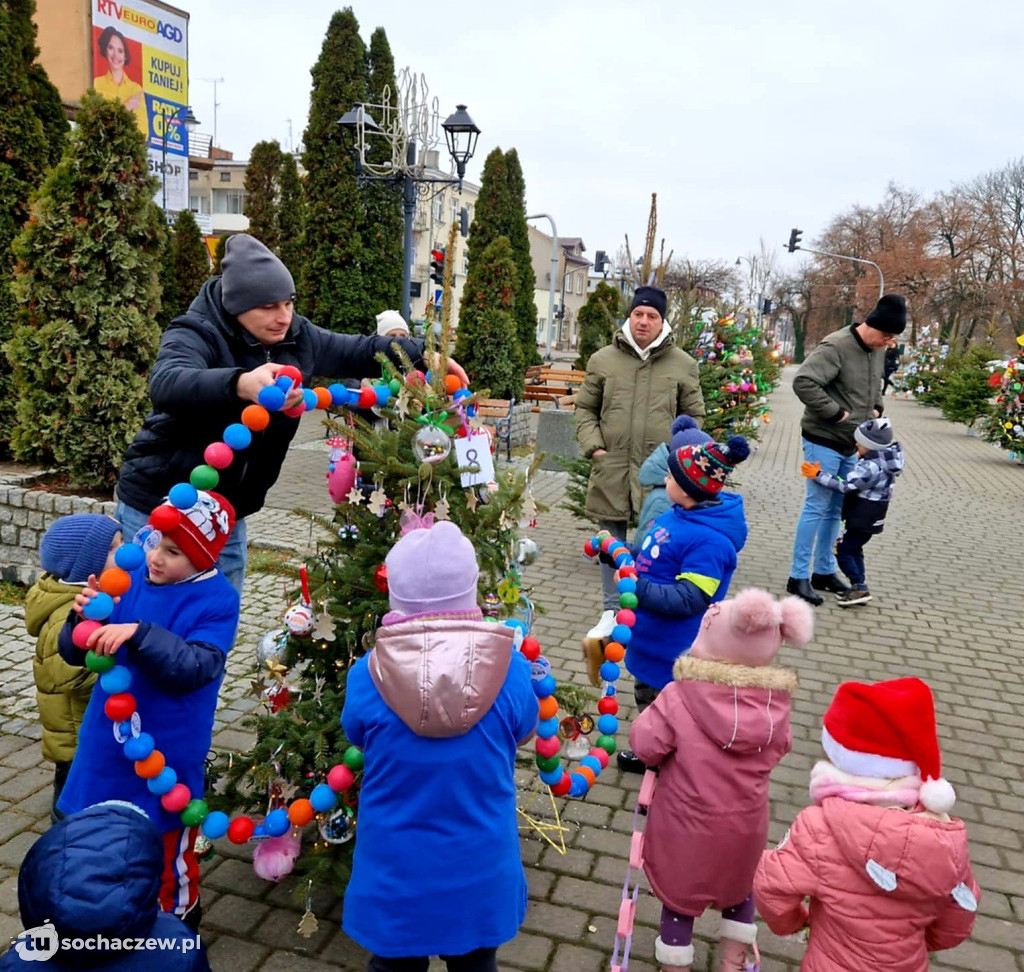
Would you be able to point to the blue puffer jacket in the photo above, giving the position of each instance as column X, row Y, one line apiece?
column 98, row 873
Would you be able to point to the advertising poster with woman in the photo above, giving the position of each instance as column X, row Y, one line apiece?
column 140, row 58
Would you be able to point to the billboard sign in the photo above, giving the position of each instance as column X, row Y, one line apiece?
column 140, row 58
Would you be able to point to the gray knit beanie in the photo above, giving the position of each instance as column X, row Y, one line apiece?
column 252, row 276
column 874, row 434
column 76, row 546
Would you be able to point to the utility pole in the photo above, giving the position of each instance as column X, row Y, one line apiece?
column 216, row 105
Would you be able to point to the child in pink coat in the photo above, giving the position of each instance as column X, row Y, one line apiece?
column 885, row 866
column 716, row 732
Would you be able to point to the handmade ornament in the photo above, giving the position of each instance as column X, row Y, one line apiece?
column 339, row 827
column 355, row 496
column 471, row 500
column 298, row 619
column 341, row 478
column 324, row 629
column 274, row 858
column 378, row 501
column 441, row 509
column 431, row 444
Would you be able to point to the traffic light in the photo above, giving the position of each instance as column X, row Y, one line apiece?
column 464, row 222
column 766, row 307
column 437, row 265
column 794, row 239
column 601, row 261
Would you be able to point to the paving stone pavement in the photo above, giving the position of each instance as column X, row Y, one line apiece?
column 948, row 598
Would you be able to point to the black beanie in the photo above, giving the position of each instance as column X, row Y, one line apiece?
column 650, row 297
column 889, row 315
column 252, row 276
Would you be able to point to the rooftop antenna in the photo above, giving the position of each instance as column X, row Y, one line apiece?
column 289, row 133
column 216, row 104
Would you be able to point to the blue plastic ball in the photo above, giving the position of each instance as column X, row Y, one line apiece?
column 277, row 823
column 610, row 671
column 139, row 747
column 237, row 436
column 116, row 681
column 627, row 585
column 183, row 496
column 271, row 398
column 580, row 785
column 593, row 763
column 608, row 725
column 545, row 686
column 338, row 393
column 516, row 623
column 461, row 394
column 163, row 782
column 551, row 777
column 323, row 798
column 383, row 394
column 284, row 383
column 215, row 825
column 129, row 556
column 309, row 399
column 547, row 728
column 99, row 607
column 429, row 378
column 259, row 831
column 621, row 634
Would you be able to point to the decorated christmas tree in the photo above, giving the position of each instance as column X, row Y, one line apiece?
column 1006, row 425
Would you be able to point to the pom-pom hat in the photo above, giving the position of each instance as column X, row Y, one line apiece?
column 749, row 628
column 432, row 571
column 886, row 730
column 686, row 433
column 200, row 531
column 702, row 470
column 874, row 434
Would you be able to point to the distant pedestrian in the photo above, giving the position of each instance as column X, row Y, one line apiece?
column 840, row 385
column 892, row 364
column 867, row 492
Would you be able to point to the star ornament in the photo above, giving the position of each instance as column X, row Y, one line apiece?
column 355, row 496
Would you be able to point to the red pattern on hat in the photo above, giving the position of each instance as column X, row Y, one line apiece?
column 202, row 531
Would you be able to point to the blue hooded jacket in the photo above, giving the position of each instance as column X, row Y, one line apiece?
column 98, row 872
column 684, row 563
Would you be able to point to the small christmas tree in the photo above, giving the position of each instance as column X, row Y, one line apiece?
column 1006, row 424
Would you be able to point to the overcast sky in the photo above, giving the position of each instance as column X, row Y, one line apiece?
column 747, row 118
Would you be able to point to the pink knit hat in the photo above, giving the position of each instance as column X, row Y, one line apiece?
column 749, row 628
column 432, row 571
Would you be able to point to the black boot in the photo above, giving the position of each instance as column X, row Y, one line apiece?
column 801, row 587
column 628, row 763
column 829, row 582
column 60, row 776
column 193, row 917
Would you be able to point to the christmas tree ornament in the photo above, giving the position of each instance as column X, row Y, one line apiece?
column 324, row 630
column 271, row 646
column 380, row 578
column 355, row 496
column 491, row 605
column 338, row 826
column 431, row 444
column 378, row 501
column 471, row 500
column 299, row 620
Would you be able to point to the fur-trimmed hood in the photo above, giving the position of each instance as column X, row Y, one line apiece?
column 736, row 706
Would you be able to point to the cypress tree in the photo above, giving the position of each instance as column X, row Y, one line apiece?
column 291, row 218
column 519, row 237
column 189, row 265
column 383, row 229
column 334, row 291
column 218, row 254
column 598, row 317
column 32, row 133
column 262, row 193
column 86, row 285
column 486, row 345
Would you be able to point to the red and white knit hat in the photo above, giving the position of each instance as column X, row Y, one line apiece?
column 886, row 731
column 201, row 531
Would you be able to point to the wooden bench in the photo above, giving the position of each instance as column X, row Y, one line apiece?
column 499, row 411
column 557, row 385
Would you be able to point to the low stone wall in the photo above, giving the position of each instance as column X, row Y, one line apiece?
column 25, row 514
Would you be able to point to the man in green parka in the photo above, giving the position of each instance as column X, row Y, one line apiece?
column 634, row 389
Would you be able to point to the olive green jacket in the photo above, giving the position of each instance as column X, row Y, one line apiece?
column 842, row 374
column 626, row 405
column 62, row 691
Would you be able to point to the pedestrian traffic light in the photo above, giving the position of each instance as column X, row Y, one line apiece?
column 794, row 239
column 464, row 222
column 437, row 265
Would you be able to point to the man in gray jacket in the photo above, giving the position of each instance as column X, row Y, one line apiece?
column 840, row 385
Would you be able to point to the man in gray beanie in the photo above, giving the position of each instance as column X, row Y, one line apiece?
column 235, row 338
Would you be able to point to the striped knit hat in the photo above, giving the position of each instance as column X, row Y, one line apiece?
column 702, row 470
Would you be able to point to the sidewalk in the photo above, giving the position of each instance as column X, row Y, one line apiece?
column 948, row 599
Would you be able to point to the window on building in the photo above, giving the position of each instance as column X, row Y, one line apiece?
column 465, row 263
column 438, row 206
column 199, row 204
column 193, row 175
column 229, row 201
column 455, row 208
column 225, row 177
column 579, row 284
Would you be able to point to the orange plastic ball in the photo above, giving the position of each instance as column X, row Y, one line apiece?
column 614, row 652
column 151, row 766
column 255, row 418
column 115, row 581
column 587, row 773
column 301, row 812
column 548, row 707
column 323, row 397
column 452, row 384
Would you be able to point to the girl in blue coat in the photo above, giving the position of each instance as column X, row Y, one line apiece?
column 438, row 707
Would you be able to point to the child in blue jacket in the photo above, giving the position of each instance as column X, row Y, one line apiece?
column 172, row 630
column 684, row 563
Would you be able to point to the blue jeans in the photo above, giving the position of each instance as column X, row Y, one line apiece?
column 818, row 527
column 850, row 556
column 231, row 562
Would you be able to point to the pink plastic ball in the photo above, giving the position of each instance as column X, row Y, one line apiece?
column 340, row 778
column 218, row 455
column 176, row 799
column 626, row 617
column 83, row 631
column 600, row 755
column 548, row 747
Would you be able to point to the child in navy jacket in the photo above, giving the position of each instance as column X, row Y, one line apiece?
column 172, row 630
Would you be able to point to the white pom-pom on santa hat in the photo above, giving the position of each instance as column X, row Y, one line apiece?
column 937, row 795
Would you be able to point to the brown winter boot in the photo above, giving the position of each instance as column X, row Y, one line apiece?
column 736, row 950
column 593, row 654
column 673, row 958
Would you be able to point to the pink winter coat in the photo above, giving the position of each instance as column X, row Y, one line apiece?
column 716, row 732
column 886, row 885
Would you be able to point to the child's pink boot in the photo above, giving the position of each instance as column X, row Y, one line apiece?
column 736, row 949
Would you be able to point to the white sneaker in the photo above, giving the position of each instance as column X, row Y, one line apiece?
column 603, row 628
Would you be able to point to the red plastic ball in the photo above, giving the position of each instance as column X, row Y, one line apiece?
column 290, row 371
column 608, row 705
column 367, row 397
column 255, row 418
column 240, row 830
column 628, row 571
column 296, row 410
column 218, row 455
column 563, row 786
column 176, row 799
column 83, row 631
column 340, row 778
column 120, row 707
column 165, row 518
column 115, row 581
column 530, row 648
column 589, row 549
column 323, row 397
column 626, row 617
column 600, row 755
column 548, row 747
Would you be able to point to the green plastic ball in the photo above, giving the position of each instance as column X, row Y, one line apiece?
column 204, row 477
column 353, row 758
column 607, row 743
column 548, row 764
column 395, row 385
column 99, row 663
column 628, row 600
column 195, row 813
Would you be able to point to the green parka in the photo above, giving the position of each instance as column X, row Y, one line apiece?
column 62, row 691
column 626, row 405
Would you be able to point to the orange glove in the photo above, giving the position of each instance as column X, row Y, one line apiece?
column 810, row 469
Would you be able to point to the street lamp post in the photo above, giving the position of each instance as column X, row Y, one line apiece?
column 191, row 123
column 461, row 134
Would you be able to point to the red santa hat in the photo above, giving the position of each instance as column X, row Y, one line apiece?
column 885, row 731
